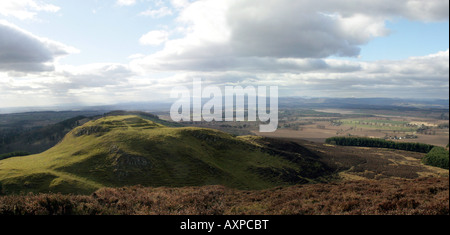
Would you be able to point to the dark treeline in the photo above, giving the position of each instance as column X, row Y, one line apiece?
column 17, row 139
column 379, row 143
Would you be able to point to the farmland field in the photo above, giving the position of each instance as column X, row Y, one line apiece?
column 413, row 127
column 380, row 124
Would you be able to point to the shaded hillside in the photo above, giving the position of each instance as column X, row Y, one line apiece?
column 116, row 151
column 425, row 196
column 38, row 139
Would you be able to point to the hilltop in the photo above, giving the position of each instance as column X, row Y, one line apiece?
column 37, row 132
column 116, row 151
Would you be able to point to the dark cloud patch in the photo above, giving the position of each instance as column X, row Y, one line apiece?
column 287, row 31
column 23, row 52
column 93, row 75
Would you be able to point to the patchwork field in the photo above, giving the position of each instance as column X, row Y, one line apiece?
column 335, row 122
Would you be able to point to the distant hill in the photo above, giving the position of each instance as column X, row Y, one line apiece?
column 365, row 103
column 115, row 151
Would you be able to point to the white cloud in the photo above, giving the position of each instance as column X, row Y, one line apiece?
column 161, row 12
column 179, row 4
column 25, row 9
column 126, row 2
column 264, row 42
column 223, row 34
column 136, row 56
column 415, row 77
column 23, row 51
column 429, row 10
column 423, row 67
column 100, row 83
column 154, row 38
column 288, row 43
column 93, row 75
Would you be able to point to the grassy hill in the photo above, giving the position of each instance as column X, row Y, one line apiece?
column 116, row 151
column 36, row 132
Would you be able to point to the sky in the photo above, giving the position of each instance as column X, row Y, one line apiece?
column 93, row 52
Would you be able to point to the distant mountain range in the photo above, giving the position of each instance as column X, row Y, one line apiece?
column 363, row 103
column 297, row 102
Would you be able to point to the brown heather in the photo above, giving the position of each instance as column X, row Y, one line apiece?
column 423, row 196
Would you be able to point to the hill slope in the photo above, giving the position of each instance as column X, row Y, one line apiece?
column 426, row 196
column 39, row 131
column 129, row 150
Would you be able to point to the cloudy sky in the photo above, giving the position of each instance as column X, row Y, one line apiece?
column 109, row 51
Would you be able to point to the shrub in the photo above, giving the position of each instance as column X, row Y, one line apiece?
column 438, row 157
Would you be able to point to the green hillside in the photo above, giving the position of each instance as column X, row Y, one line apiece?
column 127, row 150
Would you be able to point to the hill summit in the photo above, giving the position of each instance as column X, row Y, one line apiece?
column 126, row 150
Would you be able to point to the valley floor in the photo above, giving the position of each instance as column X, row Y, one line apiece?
column 423, row 196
